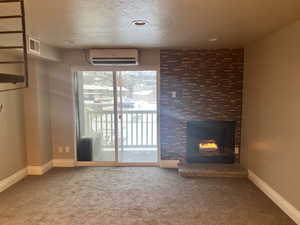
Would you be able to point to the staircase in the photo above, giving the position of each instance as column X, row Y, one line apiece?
column 14, row 78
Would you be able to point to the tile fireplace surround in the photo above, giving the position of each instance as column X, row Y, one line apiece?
column 208, row 85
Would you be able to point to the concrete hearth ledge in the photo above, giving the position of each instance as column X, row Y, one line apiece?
column 211, row 170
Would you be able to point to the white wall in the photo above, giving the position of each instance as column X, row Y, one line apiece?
column 62, row 96
column 37, row 115
column 12, row 136
column 271, row 125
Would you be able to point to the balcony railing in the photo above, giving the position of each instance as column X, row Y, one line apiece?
column 137, row 129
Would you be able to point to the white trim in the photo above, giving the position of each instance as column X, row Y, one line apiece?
column 287, row 207
column 169, row 164
column 63, row 163
column 11, row 180
column 114, row 69
column 114, row 164
column 34, row 170
column 158, row 113
column 40, row 170
column 75, row 69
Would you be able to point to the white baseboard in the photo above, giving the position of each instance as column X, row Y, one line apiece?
column 63, row 163
column 168, row 163
column 113, row 164
column 40, row 170
column 11, row 180
column 287, row 207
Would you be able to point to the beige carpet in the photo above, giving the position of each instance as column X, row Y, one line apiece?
column 135, row 196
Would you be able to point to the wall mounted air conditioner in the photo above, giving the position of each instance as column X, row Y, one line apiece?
column 113, row 57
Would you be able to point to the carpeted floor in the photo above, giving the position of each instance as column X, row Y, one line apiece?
column 135, row 196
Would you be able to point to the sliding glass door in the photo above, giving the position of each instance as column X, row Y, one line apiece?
column 137, row 116
column 96, row 116
column 117, row 113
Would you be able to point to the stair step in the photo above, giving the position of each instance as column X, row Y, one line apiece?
column 11, row 78
column 11, row 62
column 11, row 47
column 8, row 1
column 11, row 32
column 11, row 17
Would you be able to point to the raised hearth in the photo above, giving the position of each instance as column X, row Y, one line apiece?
column 212, row 170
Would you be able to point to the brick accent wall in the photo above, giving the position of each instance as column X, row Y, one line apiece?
column 209, row 85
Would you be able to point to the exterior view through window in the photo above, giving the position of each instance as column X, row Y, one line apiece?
column 117, row 114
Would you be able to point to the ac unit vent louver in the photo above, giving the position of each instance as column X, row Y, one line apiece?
column 111, row 57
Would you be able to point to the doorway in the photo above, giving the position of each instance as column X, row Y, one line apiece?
column 117, row 116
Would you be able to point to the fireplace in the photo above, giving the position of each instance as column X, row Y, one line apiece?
column 210, row 141
column 208, row 146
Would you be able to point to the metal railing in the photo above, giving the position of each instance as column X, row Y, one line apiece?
column 137, row 129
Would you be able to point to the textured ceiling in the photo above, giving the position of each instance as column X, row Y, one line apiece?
column 172, row 23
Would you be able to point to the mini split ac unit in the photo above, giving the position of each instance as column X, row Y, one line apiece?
column 113, row 57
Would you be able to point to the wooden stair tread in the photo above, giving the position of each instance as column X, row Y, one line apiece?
column 11, row 78
column 11, row 47
column 11, row 17
column 9, row 1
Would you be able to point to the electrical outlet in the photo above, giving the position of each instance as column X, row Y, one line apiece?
column 236, row 150
column 60, row 149
column 67, row 149
column 174, row 94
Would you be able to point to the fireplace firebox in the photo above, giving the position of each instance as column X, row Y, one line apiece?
column 210, row 141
